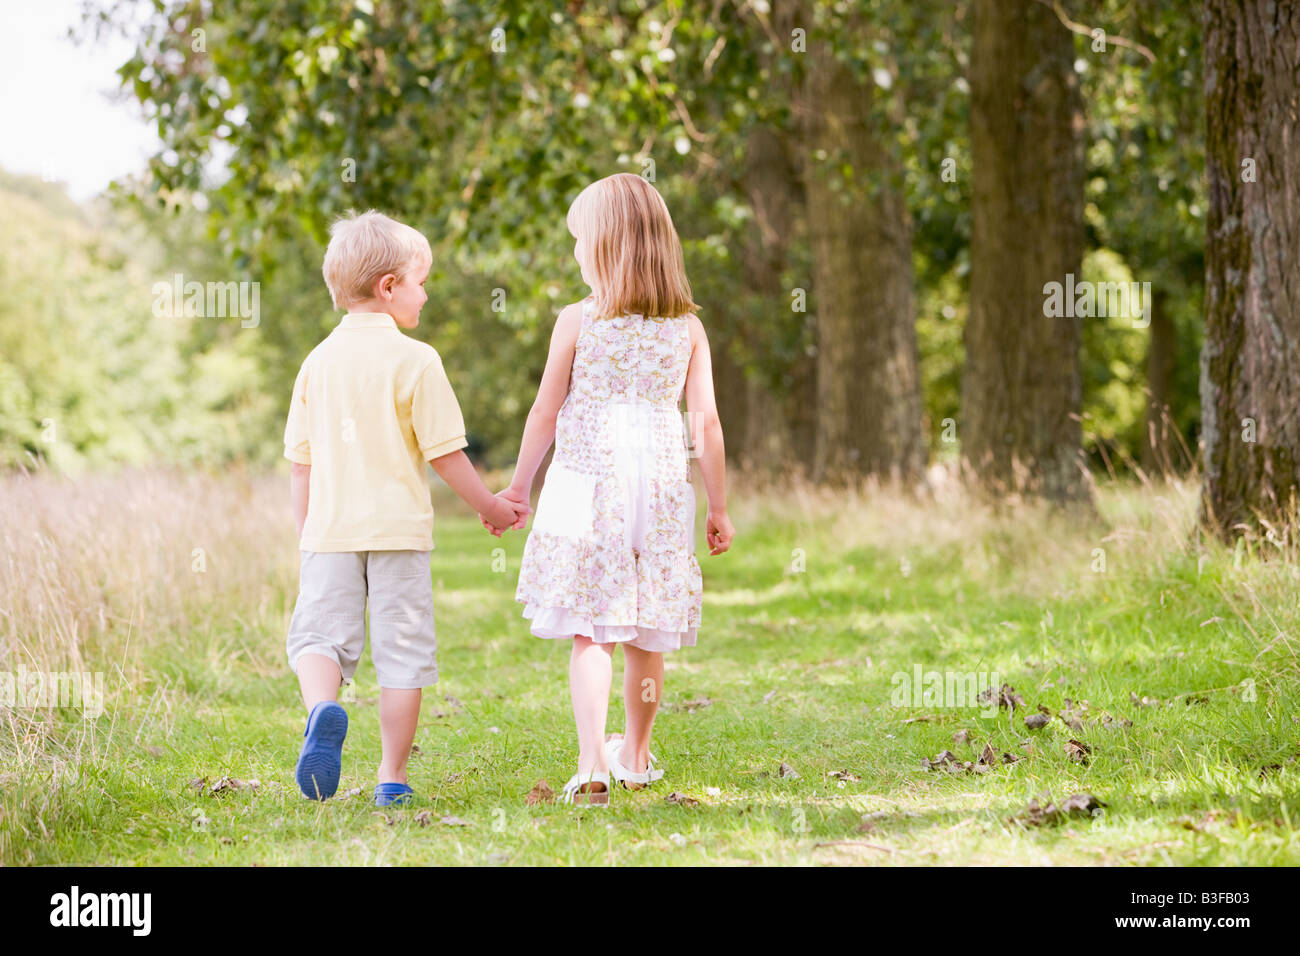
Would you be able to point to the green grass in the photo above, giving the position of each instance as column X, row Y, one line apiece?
column 798, row 666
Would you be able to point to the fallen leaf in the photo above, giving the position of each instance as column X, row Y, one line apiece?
column 1049, row 814
column 424, row 817
column 691, row 706
column 224, row 784
column 843, row 775
column 786, row 770
column 1006, row 696
column 961, row 737
column 1036, row 721
column 451, row 821
column 541, row 793
column 1081, row 803
column 681, row 799
column 1077, row 750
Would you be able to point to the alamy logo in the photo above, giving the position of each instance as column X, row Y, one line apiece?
column 102, row 909
column 954, row 689
column 1083, row 300
column 213, row 300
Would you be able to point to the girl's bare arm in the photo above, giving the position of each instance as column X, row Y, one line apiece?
column 539, row 430
column 706, row 427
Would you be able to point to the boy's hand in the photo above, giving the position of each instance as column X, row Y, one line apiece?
column 507, row 513
column 520, row 499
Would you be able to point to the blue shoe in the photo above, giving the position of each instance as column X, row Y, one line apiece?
column 321, row 760
column 392, row 793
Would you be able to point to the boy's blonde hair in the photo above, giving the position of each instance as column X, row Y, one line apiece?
column 632, row 248
column 365, row 247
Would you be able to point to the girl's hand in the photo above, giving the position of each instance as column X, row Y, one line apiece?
column 514, row 506
column 519, row 499
column 718, row 530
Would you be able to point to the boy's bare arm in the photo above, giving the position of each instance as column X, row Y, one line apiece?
column 458, row 472
column 299, row 485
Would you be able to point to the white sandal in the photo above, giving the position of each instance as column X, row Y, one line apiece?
column 573, row 791
column 613, row 748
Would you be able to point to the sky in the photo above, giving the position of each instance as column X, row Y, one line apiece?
column 56, row 118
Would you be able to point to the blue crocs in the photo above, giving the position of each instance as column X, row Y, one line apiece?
column 321, row 760
column 391, row 793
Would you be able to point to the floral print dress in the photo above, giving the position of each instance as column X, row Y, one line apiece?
column 611, row 552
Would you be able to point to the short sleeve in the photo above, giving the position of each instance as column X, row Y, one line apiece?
column 297, row 448
column 435, row 413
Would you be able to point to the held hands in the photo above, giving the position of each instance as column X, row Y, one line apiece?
column 510, row 511
column 718, row 530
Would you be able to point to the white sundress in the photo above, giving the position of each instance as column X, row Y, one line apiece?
column 611, row 552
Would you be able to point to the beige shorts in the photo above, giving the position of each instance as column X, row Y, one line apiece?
column 330, row 615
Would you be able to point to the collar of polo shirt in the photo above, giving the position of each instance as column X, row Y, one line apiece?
column 367, row 320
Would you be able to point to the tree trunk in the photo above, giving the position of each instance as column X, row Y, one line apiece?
column 778, row 417
column 1250, row 363
column 732, row 391
column 868, row 408
column 1022, row 384
column 1158, row 443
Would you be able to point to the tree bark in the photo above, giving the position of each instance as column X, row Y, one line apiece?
column 779, row 416
column 732, row 391
column 868, row 408
column 1158, row 443
column 1250, row 363
column 1022, row 384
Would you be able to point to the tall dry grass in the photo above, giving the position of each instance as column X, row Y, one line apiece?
column 95, row 567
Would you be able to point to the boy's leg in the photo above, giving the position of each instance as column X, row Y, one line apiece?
column 399, row 713
column 404, row 647
column 328, row 629
column 591, row 670
column 319, row 678
column 643, row 685
column 324, row 644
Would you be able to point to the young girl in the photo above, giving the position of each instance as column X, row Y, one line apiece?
column 611, row 556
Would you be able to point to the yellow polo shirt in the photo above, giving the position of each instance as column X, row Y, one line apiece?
column 370, row 408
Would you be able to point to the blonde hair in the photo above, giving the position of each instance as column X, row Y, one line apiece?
column 365, row 247
column 631, row 247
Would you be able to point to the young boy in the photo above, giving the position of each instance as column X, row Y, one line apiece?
column 370, row 406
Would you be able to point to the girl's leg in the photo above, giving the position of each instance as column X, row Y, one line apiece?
column 643, row 685
column 399, row 713
column 591, row 669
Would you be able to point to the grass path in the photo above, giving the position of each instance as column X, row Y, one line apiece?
column 806, row 625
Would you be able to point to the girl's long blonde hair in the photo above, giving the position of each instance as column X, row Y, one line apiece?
column 632, row 248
